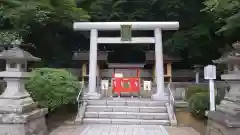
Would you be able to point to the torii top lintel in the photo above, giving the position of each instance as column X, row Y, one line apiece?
column 117, row 25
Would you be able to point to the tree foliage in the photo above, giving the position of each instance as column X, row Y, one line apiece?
column 195, row 39
column 8, row 38
column 199, row 103
column 53, row 88
column 192, row 90
column 206, row 26
column 227, row 14
column 45, row 23
column 20, row 13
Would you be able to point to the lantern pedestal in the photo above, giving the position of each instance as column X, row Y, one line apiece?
column 19, row 114
column 26, row 123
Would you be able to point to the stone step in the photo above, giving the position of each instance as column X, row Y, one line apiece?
column 228, row 109
column 232, row 98
column 127, row 115
column 126, row 121
column 129, row 102
column 142, row 109
column 181, row 104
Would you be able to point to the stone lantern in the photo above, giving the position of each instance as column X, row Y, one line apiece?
column 197, row 69
column 226, row 119
column 19, row 114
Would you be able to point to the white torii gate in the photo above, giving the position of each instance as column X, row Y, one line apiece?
column 157, row 28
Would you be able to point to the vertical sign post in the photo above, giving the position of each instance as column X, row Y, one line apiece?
column 210, row 74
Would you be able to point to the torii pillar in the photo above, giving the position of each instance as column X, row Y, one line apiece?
column 156, row 27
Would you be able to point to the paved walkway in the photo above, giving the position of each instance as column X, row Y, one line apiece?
column 122, row 130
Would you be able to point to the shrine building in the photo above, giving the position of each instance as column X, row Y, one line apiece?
column 109, row 67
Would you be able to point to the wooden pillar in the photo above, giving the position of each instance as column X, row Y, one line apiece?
column 169, row 71
column 84, row 71
column 154, row 72
column 98, row 80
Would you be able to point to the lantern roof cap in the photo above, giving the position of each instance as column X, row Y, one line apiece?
column 228, row 58
column 17, row 53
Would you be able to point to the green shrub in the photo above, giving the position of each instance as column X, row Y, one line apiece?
column 52, row 88
column 199, row 103
column 193, row 90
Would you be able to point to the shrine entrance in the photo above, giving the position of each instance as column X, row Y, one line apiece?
column 126, row 29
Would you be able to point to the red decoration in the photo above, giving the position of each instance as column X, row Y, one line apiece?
column 129, row 84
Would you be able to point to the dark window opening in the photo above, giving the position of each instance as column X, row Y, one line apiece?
column 22, row 65
column 13, row 65
column 165, row 69
column 126, row 55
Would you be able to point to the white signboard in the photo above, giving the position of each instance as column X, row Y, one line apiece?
column 210, row 72
column 147, row 85
column 104, row 84
column 118, row 75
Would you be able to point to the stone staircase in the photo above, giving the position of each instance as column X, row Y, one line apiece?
column 124, row 111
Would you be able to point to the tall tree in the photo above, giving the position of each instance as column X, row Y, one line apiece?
column 45, row 23
column 196, row 38
column 227, row 16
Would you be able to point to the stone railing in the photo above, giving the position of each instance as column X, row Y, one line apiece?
column 179, row 88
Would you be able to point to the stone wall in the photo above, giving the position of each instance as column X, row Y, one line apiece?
column 178, row 89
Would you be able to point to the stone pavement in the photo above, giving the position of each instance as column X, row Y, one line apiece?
column 124, row 130
column 181, row 130
column 121, row 130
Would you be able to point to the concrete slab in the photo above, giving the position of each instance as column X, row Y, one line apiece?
column 124, row 130
column 181, row 131
column 103, row 129
column 68, row 130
